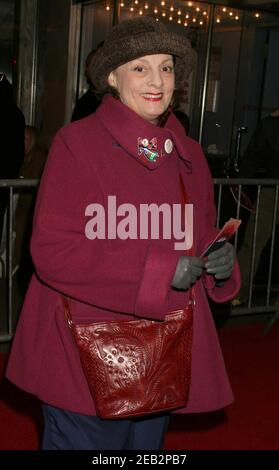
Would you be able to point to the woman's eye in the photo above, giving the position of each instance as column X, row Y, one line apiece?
column 168, row 68
column 138, row 68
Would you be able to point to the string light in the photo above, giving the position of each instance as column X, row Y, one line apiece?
column 168, row 10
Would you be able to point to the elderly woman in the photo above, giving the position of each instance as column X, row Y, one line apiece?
column 132, row 151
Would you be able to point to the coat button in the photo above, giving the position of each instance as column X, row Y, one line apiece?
column 168, row 146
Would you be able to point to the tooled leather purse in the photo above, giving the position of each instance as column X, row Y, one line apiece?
column 137, row 367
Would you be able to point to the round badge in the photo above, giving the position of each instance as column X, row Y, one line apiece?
column 168, row 146
column 145, row 142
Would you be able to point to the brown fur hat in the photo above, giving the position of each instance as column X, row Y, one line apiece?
column 136, row 38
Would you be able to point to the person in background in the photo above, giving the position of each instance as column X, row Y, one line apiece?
column 34, row 154
column 12, row 125
column 89, row 102
column 34, row 160
column 262, row 154
column 134, row 148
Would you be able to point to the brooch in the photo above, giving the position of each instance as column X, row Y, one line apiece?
column 148, row 148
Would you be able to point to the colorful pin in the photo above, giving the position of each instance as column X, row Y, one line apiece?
column 148, row 148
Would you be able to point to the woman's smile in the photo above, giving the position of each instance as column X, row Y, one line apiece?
column 152, row 96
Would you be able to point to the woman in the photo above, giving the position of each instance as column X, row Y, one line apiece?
column 132, row 149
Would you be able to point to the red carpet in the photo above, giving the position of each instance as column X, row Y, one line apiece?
column 252, row 422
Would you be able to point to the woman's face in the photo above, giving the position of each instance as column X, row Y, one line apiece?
column 145, row 85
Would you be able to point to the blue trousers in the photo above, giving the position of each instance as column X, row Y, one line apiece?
column 65, row 430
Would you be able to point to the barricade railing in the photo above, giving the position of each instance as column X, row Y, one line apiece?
column 261, row 216
column 7, row 319
column 231, row 201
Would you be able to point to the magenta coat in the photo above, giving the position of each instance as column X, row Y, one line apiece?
column 114, row 279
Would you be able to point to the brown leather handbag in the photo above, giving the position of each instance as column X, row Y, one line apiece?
column 136, row 367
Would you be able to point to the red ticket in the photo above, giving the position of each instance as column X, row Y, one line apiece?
column 230, row 227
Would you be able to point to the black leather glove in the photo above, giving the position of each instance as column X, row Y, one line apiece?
column 188, row 269
column 220, row 262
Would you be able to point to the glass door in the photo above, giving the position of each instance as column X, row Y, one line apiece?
column 257, row 92
column 222, row 84
column 242, row 83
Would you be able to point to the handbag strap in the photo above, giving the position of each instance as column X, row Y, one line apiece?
column 67, row 311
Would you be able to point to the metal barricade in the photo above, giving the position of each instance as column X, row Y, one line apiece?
column 259, row 228
column 230, row 202
column 6, row 254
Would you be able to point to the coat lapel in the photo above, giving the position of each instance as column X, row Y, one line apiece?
column 149, row 144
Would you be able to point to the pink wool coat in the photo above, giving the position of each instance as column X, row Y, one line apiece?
column 114, row 279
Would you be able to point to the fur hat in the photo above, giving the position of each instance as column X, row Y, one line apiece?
column 136, row 38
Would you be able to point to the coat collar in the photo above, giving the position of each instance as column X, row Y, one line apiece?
column 149, row 144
